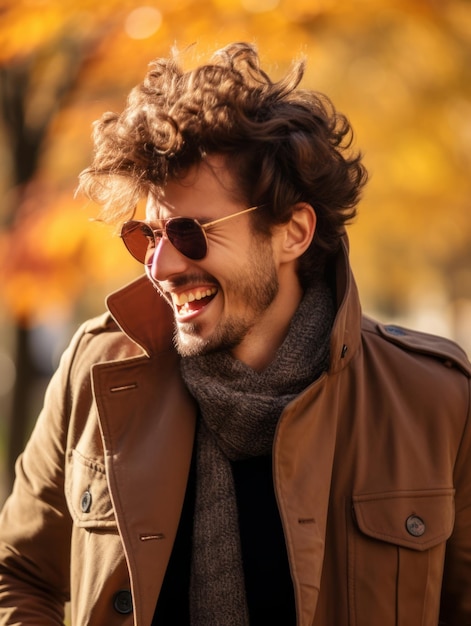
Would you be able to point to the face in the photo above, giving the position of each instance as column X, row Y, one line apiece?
column 230, row 299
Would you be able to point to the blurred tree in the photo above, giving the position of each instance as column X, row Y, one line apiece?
column 33, row 88
column 398, row 68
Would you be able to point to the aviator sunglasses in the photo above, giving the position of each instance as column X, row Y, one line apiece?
column 185, row 234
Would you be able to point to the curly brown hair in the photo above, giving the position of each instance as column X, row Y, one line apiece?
column 283, row 144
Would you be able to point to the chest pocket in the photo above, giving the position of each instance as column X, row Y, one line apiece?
column 396, row 553
column 87, row 493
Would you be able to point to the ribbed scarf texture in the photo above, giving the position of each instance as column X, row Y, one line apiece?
column 240, row 409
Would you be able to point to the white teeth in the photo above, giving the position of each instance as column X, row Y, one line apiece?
column 190, row 296
column 181, row 299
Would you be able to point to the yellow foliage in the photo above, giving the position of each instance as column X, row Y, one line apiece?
column 398, row 68
column 53, row 253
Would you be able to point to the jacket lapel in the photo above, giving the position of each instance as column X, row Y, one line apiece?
column 303, row 459
column 147, row 421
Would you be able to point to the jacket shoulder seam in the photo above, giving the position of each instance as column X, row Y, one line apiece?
column 445, row 350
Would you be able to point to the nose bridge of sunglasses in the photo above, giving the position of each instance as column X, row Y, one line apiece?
column 159, row 246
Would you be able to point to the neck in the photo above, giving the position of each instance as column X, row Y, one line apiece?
column 259, row 347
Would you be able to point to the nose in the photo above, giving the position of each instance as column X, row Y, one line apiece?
column 166, row 261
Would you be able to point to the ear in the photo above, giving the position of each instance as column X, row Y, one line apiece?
column 296, row 235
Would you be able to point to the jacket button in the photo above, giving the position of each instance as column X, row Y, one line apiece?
column 415, row 526
column 86, row 501
column 122, row 602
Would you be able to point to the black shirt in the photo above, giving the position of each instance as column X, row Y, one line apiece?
column 270, row 595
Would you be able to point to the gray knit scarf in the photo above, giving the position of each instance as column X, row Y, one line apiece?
column 240, row 409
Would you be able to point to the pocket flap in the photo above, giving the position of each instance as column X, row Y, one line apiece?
column 87, row 493
column 412, row 519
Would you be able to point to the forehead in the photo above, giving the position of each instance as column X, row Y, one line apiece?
column 205, row 190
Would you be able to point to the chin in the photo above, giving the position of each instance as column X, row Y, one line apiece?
column 188, row 344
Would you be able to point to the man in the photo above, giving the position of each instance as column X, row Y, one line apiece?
column 233, row 443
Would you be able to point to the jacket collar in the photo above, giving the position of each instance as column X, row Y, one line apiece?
column 346, row 331
column 143, row 315
column 146, row 318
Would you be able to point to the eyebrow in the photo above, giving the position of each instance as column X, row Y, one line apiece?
column 155, row 205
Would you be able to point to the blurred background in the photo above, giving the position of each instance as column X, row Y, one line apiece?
column 399, row 69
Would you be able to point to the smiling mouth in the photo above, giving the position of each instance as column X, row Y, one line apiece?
column 193, row 301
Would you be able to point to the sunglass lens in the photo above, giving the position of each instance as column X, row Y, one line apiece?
column 187, row 236
column 138, row 239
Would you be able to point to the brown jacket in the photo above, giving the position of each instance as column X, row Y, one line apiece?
column 372, row 472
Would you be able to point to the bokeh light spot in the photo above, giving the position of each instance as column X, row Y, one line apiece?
column 143, row 22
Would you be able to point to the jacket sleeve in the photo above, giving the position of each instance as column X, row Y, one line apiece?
column 35, row 525
column 456, row 588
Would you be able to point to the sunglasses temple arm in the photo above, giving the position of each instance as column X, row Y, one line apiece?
column 227, row 217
